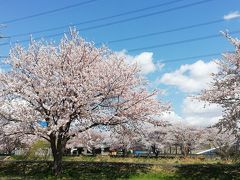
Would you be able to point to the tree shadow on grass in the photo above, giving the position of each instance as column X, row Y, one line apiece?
column 23, row 169
column 104, row 170
column 72, row 170
column 209, row 171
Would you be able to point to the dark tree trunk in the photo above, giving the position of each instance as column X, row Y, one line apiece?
column 182, row 150
column 185, row 150
column 9, row 151
column 57, row 163
column 155, row 150
column 124, row 151
column 94, row 151
column 156, row 153
column 58, row 146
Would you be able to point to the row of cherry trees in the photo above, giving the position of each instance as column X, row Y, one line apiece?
column 178, row 137
column 154, row 139
column 73, row 92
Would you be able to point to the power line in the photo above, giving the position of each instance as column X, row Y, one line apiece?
column 4, row 37
column 151, row 34
column 99, row 19
column 194, row 57
column 4, row 44
column 166, row 44
column 145, row 15
column 179, row 42
column 48, row 12
column 124, row 20
column 190, row 57
column 165, row 31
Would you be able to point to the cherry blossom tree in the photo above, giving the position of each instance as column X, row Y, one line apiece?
column 9, row 144
column 223, row 141
column 125, row 139
column 186, row 137
column 91, row 139
column 225, row 88
column 156, row 138
column 56, row 92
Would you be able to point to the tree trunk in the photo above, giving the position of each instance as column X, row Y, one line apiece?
column 9, row 151
column 182, row 149
column 94, row 151
column 57, row 163
column 185, row 150
column 124, row 150
column 155, row 150
column 58, row 146
column 156, row 153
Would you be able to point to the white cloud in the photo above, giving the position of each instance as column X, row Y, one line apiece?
column 199, row 121
column 172, row 117
column 193, row 106
column 231, row 15
column 195, row 113
column 198, row 113
column 191, row 78
column 144, row 60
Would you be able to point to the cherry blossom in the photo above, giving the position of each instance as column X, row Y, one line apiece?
column 225, row 88
column 56, row 91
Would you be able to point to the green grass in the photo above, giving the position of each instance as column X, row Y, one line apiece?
column 72, row 170
column 199, row 160
column 153, row 160
column 152, row 176
column 92, row 168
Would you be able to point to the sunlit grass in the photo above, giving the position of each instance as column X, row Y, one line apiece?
column 198, row 160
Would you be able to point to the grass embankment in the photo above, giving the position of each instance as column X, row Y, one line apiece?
column 121, row 168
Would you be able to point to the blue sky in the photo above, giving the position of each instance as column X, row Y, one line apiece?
column 161, row 21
